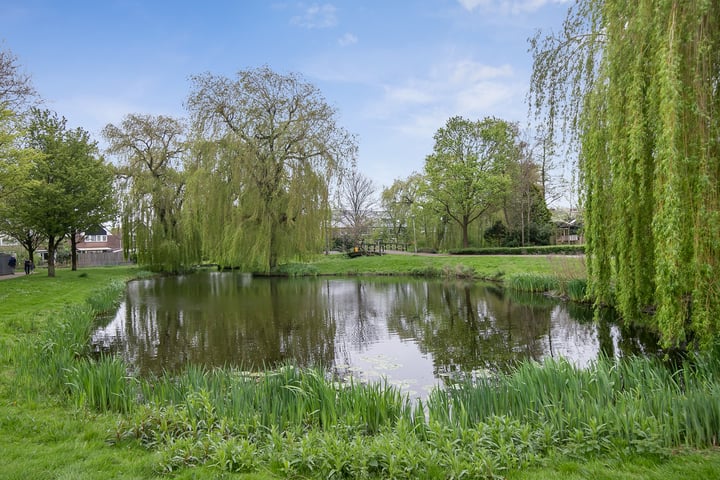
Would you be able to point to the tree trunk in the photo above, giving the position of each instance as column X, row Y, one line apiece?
column 52, row 244
column 466, row 239
column 522, row 224
column 73, row 250
column 273, row 257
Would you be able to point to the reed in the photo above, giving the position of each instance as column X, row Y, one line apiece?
column 575, row 290
column 106, row 298
column 303, row 423
column 103, row 385
column 532, row 282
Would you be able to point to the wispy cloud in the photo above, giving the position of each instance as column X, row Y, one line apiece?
column 316, row 16
column 464, row 87
column 513, row 7
column 347, row 39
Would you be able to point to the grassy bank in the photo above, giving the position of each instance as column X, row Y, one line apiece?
column 63, row 415
column 43, row 335
column 562, row 275
column 481, row 267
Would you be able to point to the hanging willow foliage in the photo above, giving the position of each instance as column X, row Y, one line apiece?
column 152, row 185
column 648, row 129
column 266, row 148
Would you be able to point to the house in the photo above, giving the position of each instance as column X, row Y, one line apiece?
column 6, row 241
column 98, row 239
column 99, row 246
column 95, row 247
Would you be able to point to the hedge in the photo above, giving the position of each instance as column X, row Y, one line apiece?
column 538, row 250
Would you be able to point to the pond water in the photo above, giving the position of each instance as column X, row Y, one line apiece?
column 416, row 333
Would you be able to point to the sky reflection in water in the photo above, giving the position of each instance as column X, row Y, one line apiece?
column 415, row 333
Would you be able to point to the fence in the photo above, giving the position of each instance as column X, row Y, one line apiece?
column 101, row 259
column 92, row 259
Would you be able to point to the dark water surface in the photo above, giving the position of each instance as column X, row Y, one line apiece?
column 413, row 332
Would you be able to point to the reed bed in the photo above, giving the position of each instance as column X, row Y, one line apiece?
column 302, row 423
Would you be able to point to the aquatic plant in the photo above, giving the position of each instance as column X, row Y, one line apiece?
column 532, row 282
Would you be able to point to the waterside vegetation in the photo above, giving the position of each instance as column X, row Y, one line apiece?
column 289, row 422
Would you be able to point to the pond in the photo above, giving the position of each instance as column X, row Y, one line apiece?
column 416, row 333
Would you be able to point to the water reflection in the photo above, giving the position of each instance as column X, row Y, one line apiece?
column 413, row 332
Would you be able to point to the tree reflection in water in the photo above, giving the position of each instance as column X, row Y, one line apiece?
column 409, row 330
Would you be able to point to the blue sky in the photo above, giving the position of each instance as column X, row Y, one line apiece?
column 395, row 70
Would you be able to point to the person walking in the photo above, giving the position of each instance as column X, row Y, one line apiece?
column 27, row 266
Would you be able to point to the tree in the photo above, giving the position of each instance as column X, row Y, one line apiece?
column 62, row 191
column 90, row 184
column 268, row 146
column 152, row 185
column 647, row 123
column 400, row 202
column 524, row 208
column 15, row 91
column 467, row 173
column 15, row 86
column 357, row 200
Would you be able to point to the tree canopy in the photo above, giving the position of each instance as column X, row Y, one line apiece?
column 266, row 146
column 67, row 187
column 468, row 172
column 152, row 185
column 639, row 85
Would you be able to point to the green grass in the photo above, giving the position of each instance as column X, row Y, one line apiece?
column 484, row 267
column 689, row 465
column 43, row 432
column 63, row 415
column 28, row 302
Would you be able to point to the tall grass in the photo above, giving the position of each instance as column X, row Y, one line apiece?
column 52, row 355
column 107, row 298
column 304, row 423
column 532, row 282
column 635, row 405
column 576, row 289
column 103, row 385
column 285, row 398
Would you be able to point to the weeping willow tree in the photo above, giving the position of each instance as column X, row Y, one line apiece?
column 266, row 147
column 152, row 187
column 637, row 86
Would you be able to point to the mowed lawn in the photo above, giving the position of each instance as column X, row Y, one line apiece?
column 485, row 266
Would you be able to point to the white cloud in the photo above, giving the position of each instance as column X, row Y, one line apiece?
column 463, row 87
column 316, row 16
column 347, row 39
column 467, row 71
column 471, row 5
column 513, row 7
